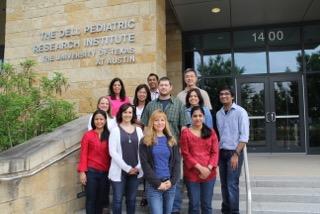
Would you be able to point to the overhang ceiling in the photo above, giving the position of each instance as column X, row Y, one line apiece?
column 197, row 15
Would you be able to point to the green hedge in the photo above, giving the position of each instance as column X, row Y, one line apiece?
column 30, row 105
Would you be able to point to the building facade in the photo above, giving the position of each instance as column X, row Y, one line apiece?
column 267, row 50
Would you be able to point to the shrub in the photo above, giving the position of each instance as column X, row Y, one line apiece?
column 30, row 105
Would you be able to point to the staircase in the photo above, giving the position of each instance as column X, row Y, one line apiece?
column 278, row 195
column 280, row 184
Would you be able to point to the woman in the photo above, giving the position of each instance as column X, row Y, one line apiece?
column 104, row 104
column 194, row 98
column 117, row 95
column 141, row 98
column 160, row 160
column 125, row 164
column 94, row 163
column 200, row 149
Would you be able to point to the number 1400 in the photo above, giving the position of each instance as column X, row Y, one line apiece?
column 272, row 36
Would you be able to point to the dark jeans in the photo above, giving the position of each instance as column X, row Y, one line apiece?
column 160, row 202
column 177, row 196
column 97, row 189
column 200, row 195
column 128, row 186
column 229, row 179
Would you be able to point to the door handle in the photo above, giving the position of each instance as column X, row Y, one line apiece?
column 268, row 117
column 273, row 117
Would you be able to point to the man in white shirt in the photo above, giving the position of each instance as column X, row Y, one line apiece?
column 190, row 78
column 153, row 82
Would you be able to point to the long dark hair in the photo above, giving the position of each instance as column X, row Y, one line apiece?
column 122, row 109
column 105, row 132
column 201, row 102
column 148, row 98
column 206, row 132
column 122, row 91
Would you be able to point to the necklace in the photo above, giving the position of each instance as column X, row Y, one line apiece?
column 129, row 136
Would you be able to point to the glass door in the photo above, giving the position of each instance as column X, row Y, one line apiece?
column 274, row 108
column 286, row 114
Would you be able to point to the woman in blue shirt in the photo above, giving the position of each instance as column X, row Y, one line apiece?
column 194, row 98
column 160, row 161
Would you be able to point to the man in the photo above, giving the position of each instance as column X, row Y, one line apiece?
column 176, row 114
column 190, row 78
column 153, row 80
column 233, row 127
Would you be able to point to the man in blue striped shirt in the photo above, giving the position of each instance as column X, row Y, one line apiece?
column 233, row 127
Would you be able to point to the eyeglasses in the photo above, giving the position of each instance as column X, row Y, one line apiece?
column 225, row 94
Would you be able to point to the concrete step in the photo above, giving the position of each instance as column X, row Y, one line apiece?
column 257, row 208
column 273, row 181
column 278, row 194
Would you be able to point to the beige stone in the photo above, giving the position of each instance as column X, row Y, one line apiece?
column 27, row 19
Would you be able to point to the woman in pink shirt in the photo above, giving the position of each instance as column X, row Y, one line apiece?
column 200, row 151
column 117, row 95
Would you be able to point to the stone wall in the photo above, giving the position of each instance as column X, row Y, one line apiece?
column 174, row 50
column 28, row 19
column 40, row 175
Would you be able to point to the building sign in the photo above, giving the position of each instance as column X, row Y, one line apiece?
column 75, row 43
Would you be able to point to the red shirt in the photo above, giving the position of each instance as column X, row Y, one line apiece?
column 195, row 150
column 94, row 153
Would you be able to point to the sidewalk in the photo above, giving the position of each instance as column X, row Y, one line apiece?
column 282, row 164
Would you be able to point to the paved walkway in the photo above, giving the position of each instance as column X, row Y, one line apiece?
column 299, row 165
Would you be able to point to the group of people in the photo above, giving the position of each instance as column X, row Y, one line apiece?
column 152, row 137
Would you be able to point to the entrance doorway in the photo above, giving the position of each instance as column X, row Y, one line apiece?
column 275, row 109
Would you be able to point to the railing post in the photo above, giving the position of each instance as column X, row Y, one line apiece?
column 247, row 179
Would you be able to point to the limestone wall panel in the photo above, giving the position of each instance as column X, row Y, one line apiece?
column 27, row 19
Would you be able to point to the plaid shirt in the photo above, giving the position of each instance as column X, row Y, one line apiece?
column 175, row 112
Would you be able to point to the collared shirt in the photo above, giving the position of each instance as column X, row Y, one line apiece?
column 207, row 116
column 233, row 127
column 154, row 94
column 94, row 153
column 175, row 112
column 206, row 99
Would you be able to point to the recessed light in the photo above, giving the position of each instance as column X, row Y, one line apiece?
column 215, row 10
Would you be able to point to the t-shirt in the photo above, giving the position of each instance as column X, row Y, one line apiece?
column 116, row 103
column 161, row 157
column 129, row 145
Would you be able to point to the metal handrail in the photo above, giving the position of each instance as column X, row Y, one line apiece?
column 247, row 179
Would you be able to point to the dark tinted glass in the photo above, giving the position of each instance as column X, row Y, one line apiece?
column 216, row 41
column 249, row 39
column 312, row 47
column 313, row 86
column 212, row 86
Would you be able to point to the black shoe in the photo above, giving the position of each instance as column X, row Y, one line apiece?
column 175, row 213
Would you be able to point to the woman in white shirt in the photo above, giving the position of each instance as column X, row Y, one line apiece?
column 125, row 166
column 104, row 104
column 142, row 97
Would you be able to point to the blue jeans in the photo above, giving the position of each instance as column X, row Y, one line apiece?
column 177, row 197
column 229, row 179
column 97, row 189
column 200, row 195
column 160, row 202
column 128, row 186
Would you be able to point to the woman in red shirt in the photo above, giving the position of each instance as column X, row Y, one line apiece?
column 200, row 150
column 95, row 162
